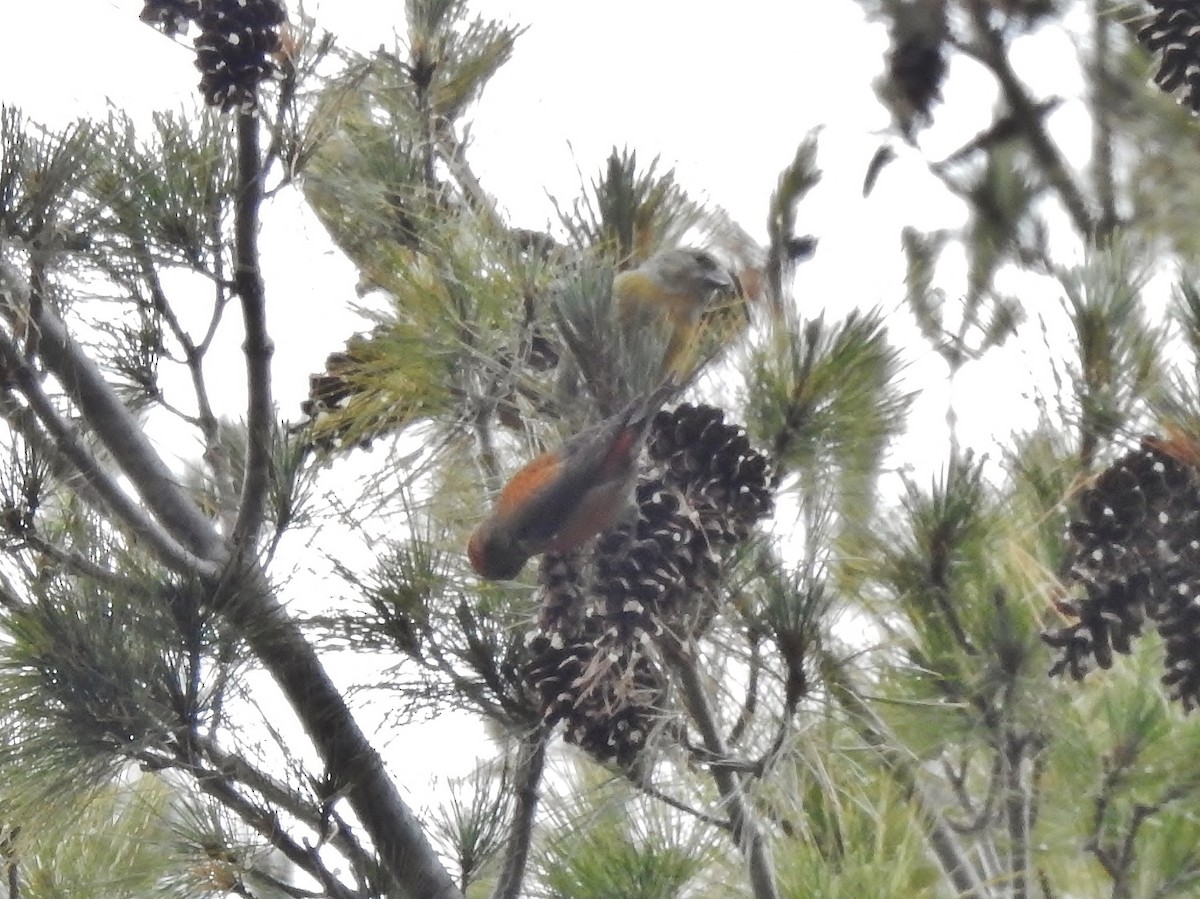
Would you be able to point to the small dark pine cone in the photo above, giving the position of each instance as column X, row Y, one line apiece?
column 328, row 393
column 714, row 466
column 236, row 36
column 1135, row 551
column 171, row 17
column 607, row 701
column 647, row 570
column 1109, row 618
column 1173, row 31
column 916, row 62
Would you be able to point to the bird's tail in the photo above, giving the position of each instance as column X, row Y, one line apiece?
column 642, row 411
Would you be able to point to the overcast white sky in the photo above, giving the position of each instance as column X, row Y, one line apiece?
column 723, row 97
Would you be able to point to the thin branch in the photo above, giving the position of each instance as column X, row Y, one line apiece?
column 66, row 443
column 236, row 768
column 353, row 765
column 1017, row 812
column 750, row 704
column 193, row 357
column 952, row 858
column 1114, row 775
column 1103, row 179
column 257, row 346
column 120, row 431
column 745, row 830
column 531, row 762
column 266, row 823
column 982, row 817
column 640, row 781
column 79, row 565
column 994, row 55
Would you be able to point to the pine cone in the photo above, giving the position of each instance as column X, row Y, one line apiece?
column 916, row 63
column 608, row 702
column 715, row 467
column 1135, row 550
column 1173, row 31
column 231, row 52
column 171, row 17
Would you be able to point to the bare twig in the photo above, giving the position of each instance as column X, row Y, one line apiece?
column 531, row 762
column 678, row 804
column 981, row 817
column 750, row 704
column 257, row 346
column 236, row 768
column 994, row 55
column 193, row 356
column 1102, row 117
column 745, row 829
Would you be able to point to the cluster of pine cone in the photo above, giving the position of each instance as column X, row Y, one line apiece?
column 593, row 659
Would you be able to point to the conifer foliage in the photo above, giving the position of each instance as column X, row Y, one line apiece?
column 817, row 635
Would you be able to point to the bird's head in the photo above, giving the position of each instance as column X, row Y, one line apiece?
column 494, row 554
column 688, row 270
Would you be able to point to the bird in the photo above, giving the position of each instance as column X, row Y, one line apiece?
column 566, row 496
column 682, row 288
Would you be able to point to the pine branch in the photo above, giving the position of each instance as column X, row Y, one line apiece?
column 994, row 55
column 952, row 858
column 531, row 762
column 66, row 443
column 273, row 636
column 257, row 346
column 236, row 768
column 1100, row 108
column 353, row 764
column 266, row 823
column 117, row 428
column 746, row 832
column 1017, row 813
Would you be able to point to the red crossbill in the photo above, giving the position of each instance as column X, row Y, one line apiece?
column 564, row 497
column 678, row 287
